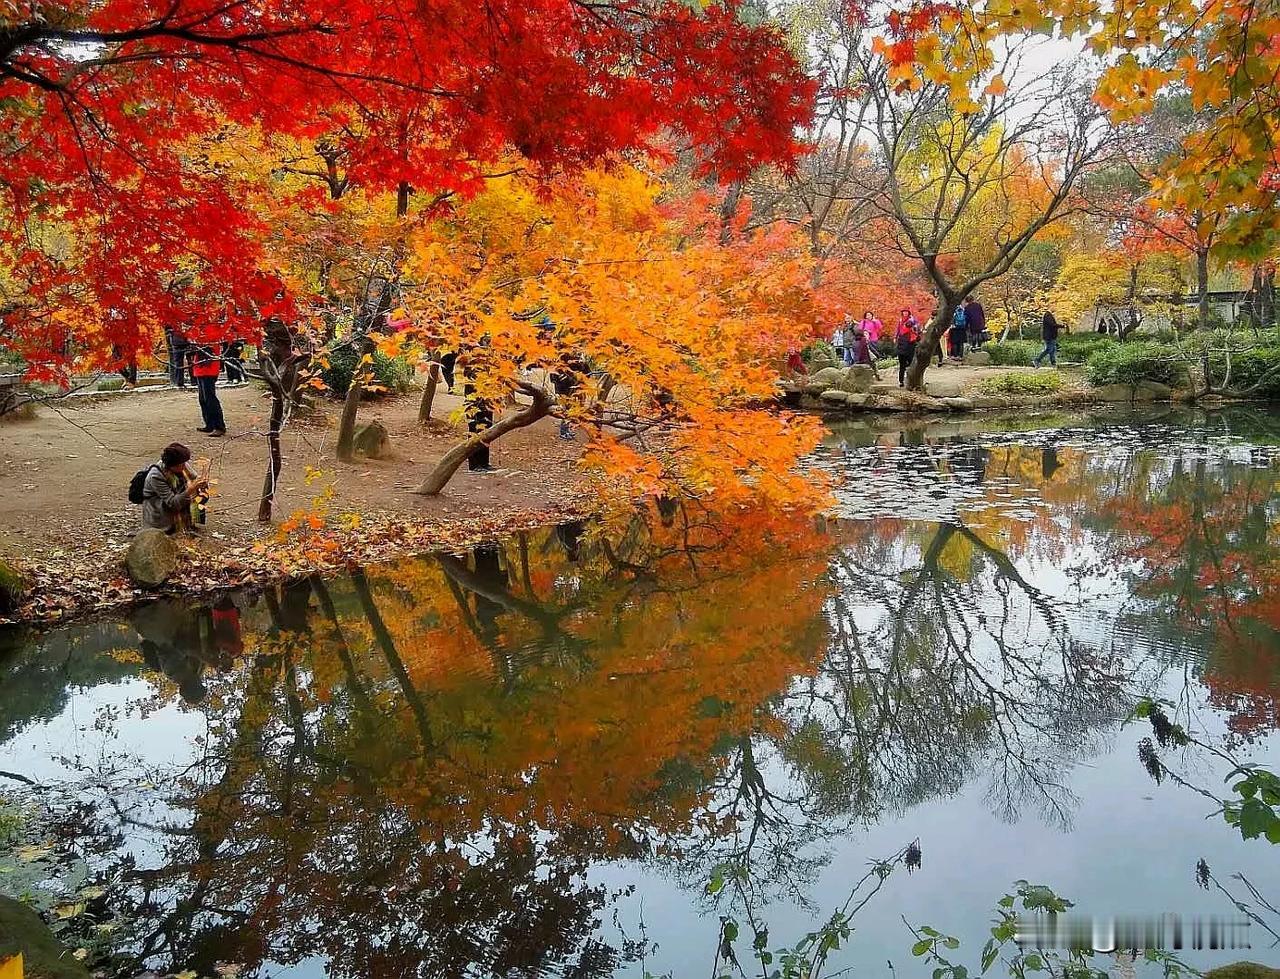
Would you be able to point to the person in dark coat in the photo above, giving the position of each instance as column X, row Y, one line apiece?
column 1048, row 333
column 976, row 318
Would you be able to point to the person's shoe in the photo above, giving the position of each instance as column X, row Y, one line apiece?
column 206, row 430
column 217, row 433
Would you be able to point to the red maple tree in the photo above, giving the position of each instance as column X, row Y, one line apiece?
column 107, row 203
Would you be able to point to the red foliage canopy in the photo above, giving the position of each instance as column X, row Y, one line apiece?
column 100, row 102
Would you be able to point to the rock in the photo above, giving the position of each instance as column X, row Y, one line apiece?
column 857, row 400
column 958, row 404
column 372, row 441
column 43, row 956
column 977, row 358
column 13, row 588
column 834, row 397
column 1154, row 391
column 1243, row 970
column 152, row 557
column 989, row 401
column 857, row 379
column 814, row 389
column 884, row 387
column 1125, row 393
column 943, row 387
column 828, row 376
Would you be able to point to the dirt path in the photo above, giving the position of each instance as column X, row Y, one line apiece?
column 66, row 472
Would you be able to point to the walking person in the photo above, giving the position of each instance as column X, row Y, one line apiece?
column 959, row 333
column 1049, row 333
column 837, row 341
column 905, row 339
column 846, row 332
column 177, row 346
column 206, row 365
column 234, row 361
column 862, row 352
column 871, row 326
column 977, row 318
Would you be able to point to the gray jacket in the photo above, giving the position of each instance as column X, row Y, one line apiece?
column 163, row 498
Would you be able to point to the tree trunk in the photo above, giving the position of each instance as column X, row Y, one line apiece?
column 928, row 345
column 429, row 393
column 351, row 405
column 448, row 465
column 275, row 461
column 1202, row 288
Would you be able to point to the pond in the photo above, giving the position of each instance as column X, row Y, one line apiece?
column 575, row 752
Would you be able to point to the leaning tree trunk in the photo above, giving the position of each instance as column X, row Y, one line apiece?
column 429, row 393
column 448, row 465
column 928, row 345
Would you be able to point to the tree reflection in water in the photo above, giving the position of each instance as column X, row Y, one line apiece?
column 411, row 771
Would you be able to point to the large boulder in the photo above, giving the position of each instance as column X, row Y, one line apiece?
column 13, row 588
column 372, row 441
column 834, row 397
column 857, row 401
column 958, row 404
column 1126, row 393
column 829, row 377
column 943, row 387
column 151, row 558
column 977, row 358
column 857, row 379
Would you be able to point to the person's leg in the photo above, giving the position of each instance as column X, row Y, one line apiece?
column 903, row 360
column 1052, row 349
column 479, row 418
column 204, row 405
column 216, row 418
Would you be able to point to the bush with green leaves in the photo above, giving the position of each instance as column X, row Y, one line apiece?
column 1013, row 353
column 1078, row 347
column 1254, row 371
column 1134, row 362
column 392, row 374
column 820, row 352
column 1022, row 384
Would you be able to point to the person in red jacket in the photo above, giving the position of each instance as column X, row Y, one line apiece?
column 206, row 365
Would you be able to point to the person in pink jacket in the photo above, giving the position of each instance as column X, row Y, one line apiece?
column 871, row 326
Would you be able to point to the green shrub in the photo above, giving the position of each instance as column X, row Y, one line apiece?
column 1078, row 347
column 391, row 373
column 819, row 353
column 1013, row 353
column 1019, row 384
column 1254, row 371
column 110, row 384
column 1134, row 362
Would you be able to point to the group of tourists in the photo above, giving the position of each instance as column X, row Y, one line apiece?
column 854, row 342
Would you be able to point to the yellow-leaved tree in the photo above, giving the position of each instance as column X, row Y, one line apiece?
column 641, row 325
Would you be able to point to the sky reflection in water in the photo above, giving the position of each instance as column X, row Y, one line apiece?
column 501, row 762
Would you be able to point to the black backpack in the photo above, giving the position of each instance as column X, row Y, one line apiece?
column 138, row 484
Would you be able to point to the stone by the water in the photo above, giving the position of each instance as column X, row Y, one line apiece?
column 152, row 557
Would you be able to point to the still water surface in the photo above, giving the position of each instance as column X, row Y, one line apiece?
column 531, row 759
